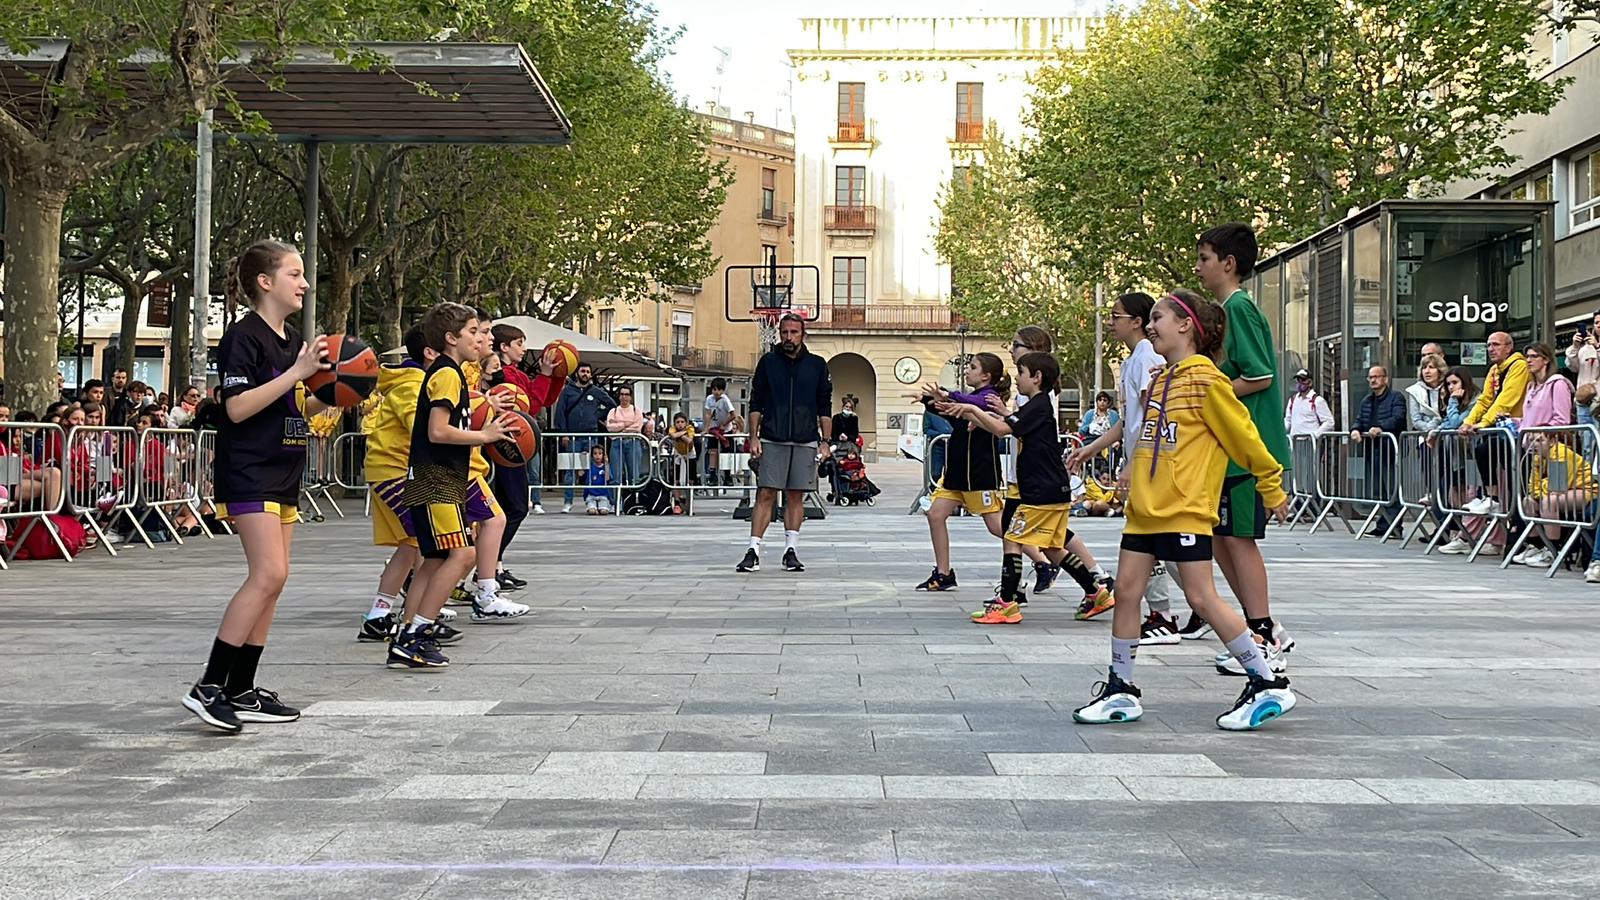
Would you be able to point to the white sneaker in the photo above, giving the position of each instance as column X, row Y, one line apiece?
column 538, row 509
column 1227, row 665
column 1521, row 559
column 1592, row 574
column 1456, row 547
column 1539, row 558
column 925, row 503
column 1115, row 702
column 1483, row 506
column 497, row 609
column 447, row 615
column 566, row 508
column 1260, row 703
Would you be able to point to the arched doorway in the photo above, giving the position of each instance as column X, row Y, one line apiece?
column 853, row 374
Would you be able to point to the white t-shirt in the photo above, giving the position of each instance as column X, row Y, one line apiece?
column 718, row 411
column 1136, row 380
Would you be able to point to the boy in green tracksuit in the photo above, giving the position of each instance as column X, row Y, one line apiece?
column 1226, row 256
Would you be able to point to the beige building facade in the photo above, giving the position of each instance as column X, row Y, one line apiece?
column 887, row 112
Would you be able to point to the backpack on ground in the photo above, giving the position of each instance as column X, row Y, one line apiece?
column 654, row 498
column 37, row 543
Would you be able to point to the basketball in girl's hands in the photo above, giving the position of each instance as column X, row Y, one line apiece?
column 520, row 446
column 519, row 397
column 566, row 358
column 352, row 377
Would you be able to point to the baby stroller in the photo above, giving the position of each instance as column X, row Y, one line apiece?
column 848, row 483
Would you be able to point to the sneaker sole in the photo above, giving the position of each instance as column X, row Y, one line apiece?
column 1164, row 640
column 1097, row 611
column 199, row 710
column 417, row 666
column 1117, row 719
column 794, row 568
column 484, row 620
column 365, row 638
column 265, row 718
column 1195, row 635
column 745, row 569
column 1261, row 717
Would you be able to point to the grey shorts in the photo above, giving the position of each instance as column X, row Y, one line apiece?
column 787, row 467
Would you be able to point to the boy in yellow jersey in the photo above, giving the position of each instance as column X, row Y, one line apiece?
column 1194, row 424
column 388, row 457
column 1044, row 490
column 483, row 510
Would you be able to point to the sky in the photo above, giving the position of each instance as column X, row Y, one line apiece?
column 755, row 77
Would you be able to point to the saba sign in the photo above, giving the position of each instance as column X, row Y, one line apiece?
column 1465, row 310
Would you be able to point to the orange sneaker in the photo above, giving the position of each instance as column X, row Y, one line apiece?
column 1000, row 614
column 1095, row 604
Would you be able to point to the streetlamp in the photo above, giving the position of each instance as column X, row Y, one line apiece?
column 80, row 258
column 961, row 364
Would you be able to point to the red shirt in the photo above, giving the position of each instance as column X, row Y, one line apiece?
column 542, row 390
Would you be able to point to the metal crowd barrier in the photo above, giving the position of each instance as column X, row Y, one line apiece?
column 169, row 469
column 1558, row 489
column 33, row 491
column 349, row 456
column 1303, row 496
column 629, row 461
column 1358, row 473
column 102, row 476
column 318, row 478
column 1420, row 467
column 930, row 482
column 1468, row 467
column 206, row 483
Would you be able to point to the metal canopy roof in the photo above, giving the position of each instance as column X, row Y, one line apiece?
column 486, row 93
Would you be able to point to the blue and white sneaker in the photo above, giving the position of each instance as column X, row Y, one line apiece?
column 1115, row 702
column 1273, row 650
column 1044, row 575
column 1261, row 702
column 413, row 650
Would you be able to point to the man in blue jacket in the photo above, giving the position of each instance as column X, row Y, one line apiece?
column 581, row 409
column 1382, row 412
column 791, row 396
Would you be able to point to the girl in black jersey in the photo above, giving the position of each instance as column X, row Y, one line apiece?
column 261, row 455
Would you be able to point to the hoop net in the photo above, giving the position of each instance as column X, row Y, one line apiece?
column 766, row 319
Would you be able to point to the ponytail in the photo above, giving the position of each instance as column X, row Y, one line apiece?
column 261, row 258
column 991, row 365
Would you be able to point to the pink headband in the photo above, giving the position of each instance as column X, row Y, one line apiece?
column 1192, row 317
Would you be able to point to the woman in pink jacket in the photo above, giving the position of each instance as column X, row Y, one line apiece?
column 627, row 455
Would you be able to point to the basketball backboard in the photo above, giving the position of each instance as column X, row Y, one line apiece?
column 754, row 292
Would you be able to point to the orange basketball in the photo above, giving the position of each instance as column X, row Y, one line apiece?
column 480, row 410
column 521, row 446
column 353, row 377
column 518, row 395
column 566, row 358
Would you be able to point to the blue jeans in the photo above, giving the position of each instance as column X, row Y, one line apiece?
column 570, row 477
column 626, row 460
column 536, row 477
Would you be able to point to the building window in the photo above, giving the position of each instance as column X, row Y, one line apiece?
column 961, row 175
column 769, row 254
column 1534, row 187
column 608, row 324
column 849, row 280
column 852, row 112
column 769, row 193
column 680, row 340
column 849, row 185
column 1586, row 189
column 969, row 112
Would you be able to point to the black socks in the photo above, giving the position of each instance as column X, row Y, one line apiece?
column 220, row 664
column 1010, row 576
column 242, row 677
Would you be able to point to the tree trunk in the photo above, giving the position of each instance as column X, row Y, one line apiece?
column 389, row 313
column 33, row 256
column 132, row 308
column 333, row 297
column 178, row 365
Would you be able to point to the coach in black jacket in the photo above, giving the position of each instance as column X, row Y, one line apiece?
column 1382, row 412
column 791, row 397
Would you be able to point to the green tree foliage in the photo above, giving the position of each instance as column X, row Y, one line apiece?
column 1008, row 267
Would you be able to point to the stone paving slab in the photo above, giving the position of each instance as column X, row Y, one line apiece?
column 660, row 727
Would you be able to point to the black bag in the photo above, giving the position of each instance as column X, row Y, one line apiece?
column 654, row 498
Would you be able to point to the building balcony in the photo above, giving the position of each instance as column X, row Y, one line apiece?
column 776, row 214
column 887, row 317
column 724, row 362
column 854, row 135
column 968, row 133
column 850, row 218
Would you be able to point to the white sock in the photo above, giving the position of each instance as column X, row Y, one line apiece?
column 487, row 587
column 755, row 544
column 791, row 539
column 419, row 622
column 382, row 605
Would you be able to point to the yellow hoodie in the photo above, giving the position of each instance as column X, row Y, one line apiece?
column 1201, row 425
column 389, row 431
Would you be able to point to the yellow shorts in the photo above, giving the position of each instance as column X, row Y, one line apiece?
column 287, row 513
column 1013, row 492
column 1044, row 527
column 979, row 503
column 391, row 522
column 440, row 527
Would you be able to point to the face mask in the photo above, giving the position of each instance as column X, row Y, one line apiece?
column 1302, row 387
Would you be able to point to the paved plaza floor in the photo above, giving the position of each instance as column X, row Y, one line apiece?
column 661, row 727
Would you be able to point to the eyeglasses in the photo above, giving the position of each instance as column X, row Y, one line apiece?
column 1018, row 345
column 1116, row 315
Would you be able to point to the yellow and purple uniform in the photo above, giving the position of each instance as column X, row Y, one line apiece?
column 389, row 452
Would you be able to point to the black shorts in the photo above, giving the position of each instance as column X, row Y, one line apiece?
column 1241, row 513
column 1170, row 547
column 1007, row 510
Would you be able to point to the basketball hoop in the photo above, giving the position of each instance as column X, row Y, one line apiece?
column 767, row 319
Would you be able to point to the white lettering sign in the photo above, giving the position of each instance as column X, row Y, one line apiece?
column 1465, row 310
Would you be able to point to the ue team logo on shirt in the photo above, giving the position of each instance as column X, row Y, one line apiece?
column 1147, row 432
column 296, row 432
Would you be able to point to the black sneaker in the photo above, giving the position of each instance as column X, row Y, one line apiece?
column 750, row 563
column 1044, row 575
column 1194, row 629
column 211, row 706
column 442, row 634
column 939, row 581
column 1158, row 629
column 413, row 650
column 374, row 631
column 510, row 582
column 459, row 596
column 261, row 705
column 791, row 563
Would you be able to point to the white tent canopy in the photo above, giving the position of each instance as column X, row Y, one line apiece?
column 607, row 359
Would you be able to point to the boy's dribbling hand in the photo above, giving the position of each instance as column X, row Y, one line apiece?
column 313, row 358
column 1280, row 513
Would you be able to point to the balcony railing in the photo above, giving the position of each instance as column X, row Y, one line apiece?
column 850, row 218
column 716, row 360
column 852, row 133
column 888, row 317
column 776, row 214
column 969, row 132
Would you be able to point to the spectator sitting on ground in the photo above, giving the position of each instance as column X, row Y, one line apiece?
column 1095, row 499
column 1306, row 412
column 596, row 496
column 1560, row 485
column 38, row 486
column 1423, row 396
